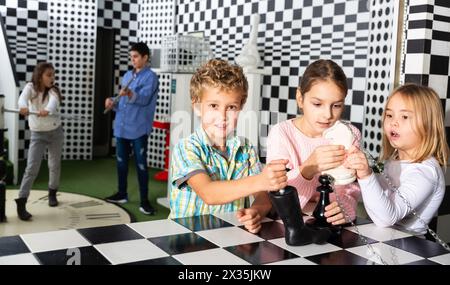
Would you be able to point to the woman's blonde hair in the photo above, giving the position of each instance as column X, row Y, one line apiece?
column 428, row 123
column 220, row 74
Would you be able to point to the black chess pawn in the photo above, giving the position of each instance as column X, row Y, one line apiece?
column 324, row 189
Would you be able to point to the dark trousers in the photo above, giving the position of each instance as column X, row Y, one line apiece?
column 123, row 149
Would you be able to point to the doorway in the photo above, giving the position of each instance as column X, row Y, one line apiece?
column 104, row 88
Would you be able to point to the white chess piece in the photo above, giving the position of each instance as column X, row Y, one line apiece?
column 249, row 57
column 340, row 134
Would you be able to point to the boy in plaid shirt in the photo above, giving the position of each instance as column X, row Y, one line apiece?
column 213, row 170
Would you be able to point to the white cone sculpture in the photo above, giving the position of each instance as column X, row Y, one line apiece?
column 249, row 57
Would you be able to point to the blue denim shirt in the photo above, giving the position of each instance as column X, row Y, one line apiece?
column 134, row 116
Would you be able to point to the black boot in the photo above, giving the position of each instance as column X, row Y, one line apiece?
column 21, row 210
column 287, row 204
column 52, row 201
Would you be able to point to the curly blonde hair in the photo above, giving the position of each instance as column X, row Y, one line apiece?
column 218, row 73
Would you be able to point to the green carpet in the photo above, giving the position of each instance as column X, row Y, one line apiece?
column 97, row 178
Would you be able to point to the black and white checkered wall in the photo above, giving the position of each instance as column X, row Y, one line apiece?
column 427, row 61
column 121, row 16
column 26, row 24
column 68, row 45
column 380, row 66
column 291, row 35
column 71, row 49
column 156, row 20
column 26, row 29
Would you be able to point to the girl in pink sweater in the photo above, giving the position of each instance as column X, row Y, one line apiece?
column 320, row 96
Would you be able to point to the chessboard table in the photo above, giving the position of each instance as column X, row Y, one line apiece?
column 214, row 240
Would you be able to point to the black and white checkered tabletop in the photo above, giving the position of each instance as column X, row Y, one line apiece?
column 214, row 240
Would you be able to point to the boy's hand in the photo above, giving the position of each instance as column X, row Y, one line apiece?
column 250, row 218
column 273, row 177
column 324, row 157
column 334, row 214
column 109, row 103
column 125, row 92
column 357, row 160
column 24, row 111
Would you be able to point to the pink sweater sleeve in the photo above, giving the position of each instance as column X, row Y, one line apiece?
column 281, row 145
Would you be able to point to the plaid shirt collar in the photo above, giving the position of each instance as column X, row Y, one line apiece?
column 233, row 142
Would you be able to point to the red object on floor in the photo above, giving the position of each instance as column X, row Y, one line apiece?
column 164, row 175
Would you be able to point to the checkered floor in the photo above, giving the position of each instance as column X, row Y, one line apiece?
column 213, row 240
